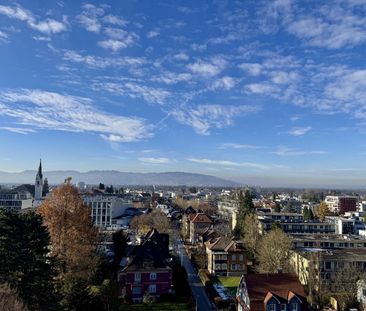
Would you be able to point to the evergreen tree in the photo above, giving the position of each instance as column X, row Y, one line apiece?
column 306, row 213
column 24, row 260
column 277, row 207
column 246, row 207
column 46, row 188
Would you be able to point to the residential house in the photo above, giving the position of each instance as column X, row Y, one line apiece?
column 271, row 292
column 146, row 270
column 226, row 257
column 198, row 224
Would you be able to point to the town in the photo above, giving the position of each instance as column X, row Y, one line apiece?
column 185, row 248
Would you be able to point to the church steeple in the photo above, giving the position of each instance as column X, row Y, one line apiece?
column 38, row 187
column 40, row 169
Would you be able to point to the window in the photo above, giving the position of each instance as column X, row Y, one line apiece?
column 233, row 267
column 294, row 306
column 153, row 276
column 217, row 266
column 224, row 266
column 271, row 307
column 233, row 257
column 136, row 290
column 152, row 288
column 137, row 277
column 283, row 307
column 241, row 257
column 327, row 265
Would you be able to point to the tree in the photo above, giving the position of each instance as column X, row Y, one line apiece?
column 24, row 261
column 46, row 188
column 73, row 236
column 119, row 242
column 101, row 186
column 9, row 299
column 277, row 207
column 274, row 252
column 109, row 189
column 306, row 213
column 323, row 211
column 251, row 234
column 246, row 206
column 156, row 219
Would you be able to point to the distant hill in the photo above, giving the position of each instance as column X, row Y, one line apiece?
column 120, row 178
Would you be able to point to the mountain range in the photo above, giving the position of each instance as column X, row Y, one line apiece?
column 120, row 178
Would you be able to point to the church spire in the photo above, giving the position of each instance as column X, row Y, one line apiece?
column 40, row 169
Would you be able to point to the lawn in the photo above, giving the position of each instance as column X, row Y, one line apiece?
column 157, row 307
column 230, row 282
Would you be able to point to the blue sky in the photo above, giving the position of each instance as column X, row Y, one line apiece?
column 261, row 92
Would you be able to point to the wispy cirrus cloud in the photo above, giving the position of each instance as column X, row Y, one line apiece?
column 239, row 146
column 227, row 163
column 299, row 131
column 40, row 109
column 18, row 130
column 152, row 160
column 203, row 118
column 47, row 26
column 286, row 151
column 102, row 62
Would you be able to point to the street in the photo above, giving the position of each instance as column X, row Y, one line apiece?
column 202, row 300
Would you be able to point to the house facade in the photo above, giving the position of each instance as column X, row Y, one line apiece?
column 225, row 257
column 198, row 224
column 146, row 269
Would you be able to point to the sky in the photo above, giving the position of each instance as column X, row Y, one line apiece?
column 259, row 92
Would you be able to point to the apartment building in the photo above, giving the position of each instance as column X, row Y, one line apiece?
column 106, row 207
column 341, row 204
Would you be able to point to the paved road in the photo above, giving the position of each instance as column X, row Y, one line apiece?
column 203, row 303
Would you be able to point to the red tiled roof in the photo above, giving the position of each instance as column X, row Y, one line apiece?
column 201, row 218
column 283, row 286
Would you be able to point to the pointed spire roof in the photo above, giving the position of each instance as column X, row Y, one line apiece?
column 40, row 169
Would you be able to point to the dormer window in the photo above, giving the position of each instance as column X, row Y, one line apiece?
column 283, row 307
column 294, row 307
column 271, row 307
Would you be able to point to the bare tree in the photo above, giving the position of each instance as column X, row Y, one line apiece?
column 274, row 252
column 156, row 219
column 9, row 299
column 251, row 233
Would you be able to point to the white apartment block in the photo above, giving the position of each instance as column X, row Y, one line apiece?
column 105, row 208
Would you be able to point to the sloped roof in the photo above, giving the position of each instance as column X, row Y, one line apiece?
column 282, row 286
column 201, row 218
column 149, row 255
column 221, row 244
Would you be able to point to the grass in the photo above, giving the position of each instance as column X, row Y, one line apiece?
column 164, row 306
column 230, row 282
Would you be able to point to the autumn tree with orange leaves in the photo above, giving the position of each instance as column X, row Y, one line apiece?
column 73, row 235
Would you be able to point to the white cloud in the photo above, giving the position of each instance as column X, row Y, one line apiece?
column 103, row 62
column 299, row 131
column 225, row 83
column 54, row 111
column 114, row 45
column 18, row 130
column 208, row 69
column 133, row 90
column 285, row 151
column 153, row 34
column 155, row 160
column 205, row 117
column 253, row 69
column 181, row 56
column 261, row 88
column 47, row 26
column 90, row 17
column 114, row 20
column 227, row 163
column 172, row 77
column 239, row 146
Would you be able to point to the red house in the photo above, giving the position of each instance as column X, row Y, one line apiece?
column 147, row 271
